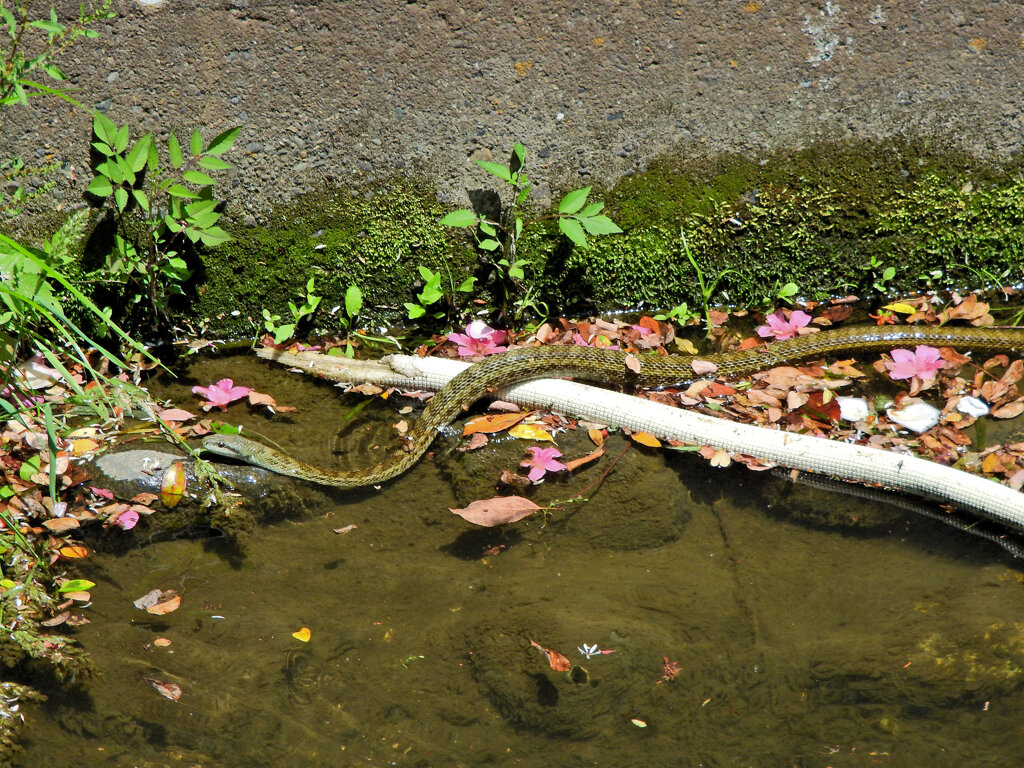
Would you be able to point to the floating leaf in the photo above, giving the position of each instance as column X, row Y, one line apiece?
column 901, row 308
column 302, row 635
column 169, row 601
column 721, row 458
column 531, row 432
column 83, row 445
column 646, row 438
column 685, row 345
column 592, row 456
column 172, row 487
column 76, row 585
column 497, row 511
column 61, row 524
column 73, row 553
column 494, row 423
column 596, row 437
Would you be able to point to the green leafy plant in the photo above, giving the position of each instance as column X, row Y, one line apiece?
column 681, row 313
column 498, row 238
column 160, row 209
column 437, row 297
column 708, row 287
column 881, row 275
column 284, row 331
column 34, row 44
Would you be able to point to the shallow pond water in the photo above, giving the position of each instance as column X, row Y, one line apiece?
column 802, row 627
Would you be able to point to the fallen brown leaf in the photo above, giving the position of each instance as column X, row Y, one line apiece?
column 497, row 511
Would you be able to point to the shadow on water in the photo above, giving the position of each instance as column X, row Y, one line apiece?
column 753, row 622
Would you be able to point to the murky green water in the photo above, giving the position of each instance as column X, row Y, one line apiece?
column 809, row 630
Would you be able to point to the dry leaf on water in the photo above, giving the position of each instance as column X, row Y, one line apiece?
column 497, row 511
column 158, row 601
column 495, row 423
column 531, row 432
column 646, row 438
column 574, row 463
column 557, row 661
column 168, row 690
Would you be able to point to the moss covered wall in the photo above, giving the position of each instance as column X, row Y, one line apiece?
column 828, row 218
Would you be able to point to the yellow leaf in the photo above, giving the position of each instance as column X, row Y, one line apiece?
column 531, row 432
column 646, row 438
column 173, row 486
column 899, row 306
column 596, row 437
column 721, row 459
column 302, row 635
column 685, row 345
column 74, row 552
column 83, row 445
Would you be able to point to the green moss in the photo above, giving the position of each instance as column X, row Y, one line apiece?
column 828, row 217
column 340, row 239
column 824, row 217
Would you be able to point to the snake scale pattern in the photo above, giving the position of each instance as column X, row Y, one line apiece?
column 607, row 366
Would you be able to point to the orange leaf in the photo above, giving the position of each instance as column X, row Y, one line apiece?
column 531, row 432
column 557, row 661
column 633, row 364
column 173, row 485
column 592, row 456
column 646, row 438
column 494, row 423
column 165, row 606
column 596, row 436
column 74, row 552
column 302, row 635
column 171, row 691
column 60, row 524
column 649, row 323
column 497, row 511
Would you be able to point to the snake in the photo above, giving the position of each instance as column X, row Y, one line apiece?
column 609, row 367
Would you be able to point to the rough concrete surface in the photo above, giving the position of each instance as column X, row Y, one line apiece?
column 350, row 92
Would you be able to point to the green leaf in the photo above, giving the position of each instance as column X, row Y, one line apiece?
column 519, row 152
column 488, row 229
column 142, row 199
column 51, row 27
column 214, row 236
column 425, row 273
column 574, row 231
column 171, row 224
column 176, row 190
column 29, row 467
column 140, row 153
column 600, row 225
column 121, row 139
column 197, row 177
column 497, row 169
column 415, row 310
column 174, row 151
column 121, row 198
column 54, row 71
column 76, row 585
column 104, row 128
column 223, row 142
column 591, row 210
column 489, row 245
column 460, row 218
column 100, row 186
column 467, row 285
column 573, row 201
column 8, row 18
column 353, row 300
column 196, row 143
column 211, row 163
column 283, row 332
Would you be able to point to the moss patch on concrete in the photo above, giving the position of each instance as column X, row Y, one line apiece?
column 829, row 218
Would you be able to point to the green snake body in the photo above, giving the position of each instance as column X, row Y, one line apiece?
column 608, row 366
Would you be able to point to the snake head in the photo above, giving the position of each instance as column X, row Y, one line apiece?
column 225, row 445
